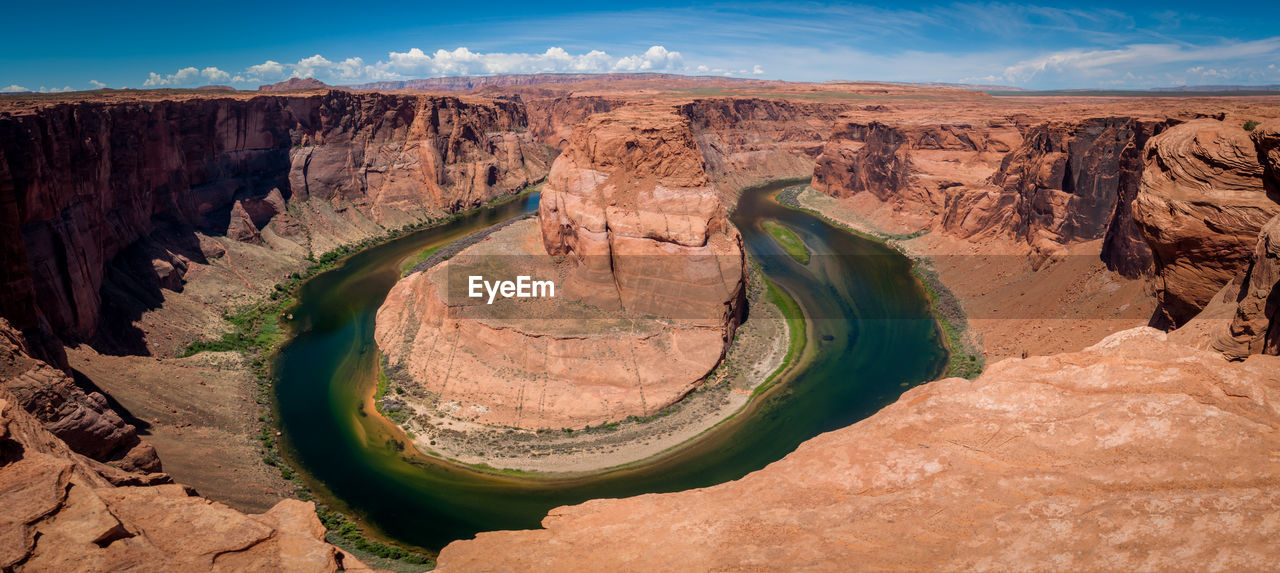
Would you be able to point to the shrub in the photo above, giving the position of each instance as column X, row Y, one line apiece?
column 1249, row 125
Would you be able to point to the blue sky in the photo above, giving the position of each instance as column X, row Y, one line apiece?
column 82, row 45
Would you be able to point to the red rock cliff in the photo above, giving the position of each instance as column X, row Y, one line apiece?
column 80, row 182
column 1201, row 205
column 1048, row 185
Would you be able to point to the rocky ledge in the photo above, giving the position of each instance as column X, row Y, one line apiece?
column 1134, row 454
column 63, row 513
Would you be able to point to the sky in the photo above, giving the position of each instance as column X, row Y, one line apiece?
column 57, row 46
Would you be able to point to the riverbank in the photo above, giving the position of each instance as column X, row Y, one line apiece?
column 991, row 299
column 965, row 358
column 764, row 347
column 210, row 407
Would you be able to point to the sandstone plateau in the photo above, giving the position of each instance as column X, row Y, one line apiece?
column 1133, row 454
column 650, row 276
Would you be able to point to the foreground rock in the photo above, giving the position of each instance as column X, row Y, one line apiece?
column 1135, row 453
column 650, row 287
column 82, row 419
column 62, row 513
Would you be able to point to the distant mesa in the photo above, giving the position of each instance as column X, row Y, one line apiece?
column 294, row 84
column 216, row 88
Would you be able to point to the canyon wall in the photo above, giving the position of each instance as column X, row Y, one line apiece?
column 1047, row 184
column 1136, row 453
column 748, row 141
column 80, row 182
column 84, row 420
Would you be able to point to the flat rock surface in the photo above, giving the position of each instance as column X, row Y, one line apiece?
column 1136, row 453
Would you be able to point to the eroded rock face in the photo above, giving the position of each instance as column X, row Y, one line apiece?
column 1048, row 185
column 83, row 420
column 631, row 202
column 910, row 166
column 747, row 141
column 1255, row 328
column 1136, row 453
column 80, row 182
column 650, row 286
column 1200, row 206
column 62, row 513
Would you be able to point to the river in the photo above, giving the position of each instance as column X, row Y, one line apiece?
column 870, row 337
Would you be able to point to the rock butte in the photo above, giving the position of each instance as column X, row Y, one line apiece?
column 132, row 220
column 651, row 286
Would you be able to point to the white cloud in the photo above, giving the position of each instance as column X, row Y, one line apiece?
column 415, row 63
column 757, row 70
column 45, row 90
column 214, row 75
column 97, row 85
column 183, row 76
column 13, row 88
column 267, row 71
column 1106, row 63
column 653, row 59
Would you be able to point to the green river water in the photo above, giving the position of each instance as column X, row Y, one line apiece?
column 870, row 336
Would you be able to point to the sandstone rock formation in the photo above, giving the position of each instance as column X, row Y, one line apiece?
column 650, row 286
column 1200, row 207
column 1255, row 328
column 1048, row 185
column 747, row 141
column 631, row 202
column 80, row 182
column 294, row 84
column 83, row 420
column 1133, row 454
column 62, row 513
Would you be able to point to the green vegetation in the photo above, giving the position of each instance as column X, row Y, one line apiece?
column 963, row 361
column 794, row 316
column 252, row 329
column 344, row 533
column 1251, row 124
column 413, row 261
column 789, row 241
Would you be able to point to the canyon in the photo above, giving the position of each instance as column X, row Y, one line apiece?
column 133, row 222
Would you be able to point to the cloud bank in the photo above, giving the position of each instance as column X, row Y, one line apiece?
column 416, row 63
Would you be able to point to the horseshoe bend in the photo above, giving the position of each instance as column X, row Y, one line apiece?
column 713, row 309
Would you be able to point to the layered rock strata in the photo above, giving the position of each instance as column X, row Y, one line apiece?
column 1047, row 185
column 1255, row 325
column 650, row 286
column 80, row 182
column 83, row 420
column 1201, row 205
column 1135, row 453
